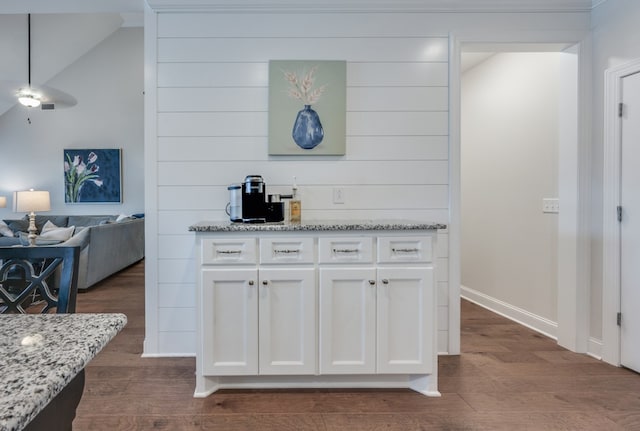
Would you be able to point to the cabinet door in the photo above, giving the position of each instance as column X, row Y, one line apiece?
column 347, row 320
column 287, row 321
column 230, row 321
column 405, row 320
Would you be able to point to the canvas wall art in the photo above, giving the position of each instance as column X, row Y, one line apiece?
column 92, row 175
column 307, row 107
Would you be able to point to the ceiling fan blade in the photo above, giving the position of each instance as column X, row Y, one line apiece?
column 48, row 95
column 59, row 98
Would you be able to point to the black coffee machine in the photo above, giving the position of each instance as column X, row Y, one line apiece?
column 255, row 208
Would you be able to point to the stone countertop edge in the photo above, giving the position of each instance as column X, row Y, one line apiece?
column 227, row 226
column 58, row 347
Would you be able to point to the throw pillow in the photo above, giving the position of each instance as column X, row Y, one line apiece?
column 122, row 217
column 53, row 232
column 20, row 225
column 5, row 230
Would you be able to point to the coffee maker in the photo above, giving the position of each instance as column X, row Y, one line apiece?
column 255, row 208
column 253, row 200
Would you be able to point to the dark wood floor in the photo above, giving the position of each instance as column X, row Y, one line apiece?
column 507, row 378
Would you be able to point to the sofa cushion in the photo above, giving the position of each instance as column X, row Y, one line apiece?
column 5, row 230
column 19, row 225
column 24, row 240
column 51, row 231
column 59, row 221
column 6, row 241
column 91, row 220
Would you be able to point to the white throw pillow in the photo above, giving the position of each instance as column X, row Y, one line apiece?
column 122, row 217
column 49, row 226
column 5, row 230
column 51, row 231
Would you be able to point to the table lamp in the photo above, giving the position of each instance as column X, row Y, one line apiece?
column 3, row 201
column 31, row 201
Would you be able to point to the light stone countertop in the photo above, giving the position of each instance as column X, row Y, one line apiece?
column 41, row 353
column 315, row 225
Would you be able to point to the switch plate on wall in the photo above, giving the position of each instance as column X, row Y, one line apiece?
column 338, row 195
column 551, row 205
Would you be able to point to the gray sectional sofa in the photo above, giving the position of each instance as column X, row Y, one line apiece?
column 108, row 243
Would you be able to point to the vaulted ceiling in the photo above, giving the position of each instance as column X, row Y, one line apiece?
column 64, row 30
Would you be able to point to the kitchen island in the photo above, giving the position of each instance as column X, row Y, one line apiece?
column 42, row 360
column 322, row 304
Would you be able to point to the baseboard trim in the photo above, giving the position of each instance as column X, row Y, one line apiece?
column 594, row 348
column 539, row 324
column 168, row 355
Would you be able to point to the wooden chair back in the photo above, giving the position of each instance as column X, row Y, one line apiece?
column 38, row 278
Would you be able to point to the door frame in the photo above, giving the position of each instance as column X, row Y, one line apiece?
column 611, row 284
column 574, row 265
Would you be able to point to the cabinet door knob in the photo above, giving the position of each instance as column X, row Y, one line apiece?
column 385, row 281
column 372, row 282
column 250, row 282
column 265, row 282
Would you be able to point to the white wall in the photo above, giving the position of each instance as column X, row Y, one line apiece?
column 509, row 163
column 209, row 129
column 212, row 131
column 108, row 84
column 616, row 40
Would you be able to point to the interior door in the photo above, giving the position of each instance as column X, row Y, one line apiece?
column 630, row 224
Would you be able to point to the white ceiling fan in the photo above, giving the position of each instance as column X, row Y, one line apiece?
column 33, row 96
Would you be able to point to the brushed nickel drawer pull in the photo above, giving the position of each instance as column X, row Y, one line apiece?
column 405, row 250
column 345, row 250
column 229, row 251
column 286, row 251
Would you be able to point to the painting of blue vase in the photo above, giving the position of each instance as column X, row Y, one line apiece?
column 307, row 129
column 307, row 107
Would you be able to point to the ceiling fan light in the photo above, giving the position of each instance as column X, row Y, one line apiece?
column 29, row 101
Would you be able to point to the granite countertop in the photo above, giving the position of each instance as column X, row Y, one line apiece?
column 41, row 353
column 318, row 225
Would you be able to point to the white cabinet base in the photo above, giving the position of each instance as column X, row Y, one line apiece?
column 425, row 384
column 316, row 310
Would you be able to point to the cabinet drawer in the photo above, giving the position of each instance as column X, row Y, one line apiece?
column 405, row 249
column 345, row 250
column 228, row 251
column 286, row 250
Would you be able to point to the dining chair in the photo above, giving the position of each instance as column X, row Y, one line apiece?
column 38, row 278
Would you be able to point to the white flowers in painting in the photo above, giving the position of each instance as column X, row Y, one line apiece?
column 77, row 172
column 301, row 87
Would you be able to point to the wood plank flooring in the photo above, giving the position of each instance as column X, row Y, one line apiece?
column 507, row 378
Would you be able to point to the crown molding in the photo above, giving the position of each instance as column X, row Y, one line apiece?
column 448, row 6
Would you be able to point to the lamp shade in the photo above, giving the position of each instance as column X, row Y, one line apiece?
column 3, row 201
column 32, row 200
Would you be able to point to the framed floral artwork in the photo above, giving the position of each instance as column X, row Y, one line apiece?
column 92, row 175
column 307, row 107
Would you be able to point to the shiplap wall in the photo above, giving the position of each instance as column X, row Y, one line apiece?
column 212, row 98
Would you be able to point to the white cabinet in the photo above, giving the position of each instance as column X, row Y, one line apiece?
column 405, row 307
column 376, row 320
column 230, row 325
column 316, row 309
column 347, row 320
column 259, row 322
column 287, row 321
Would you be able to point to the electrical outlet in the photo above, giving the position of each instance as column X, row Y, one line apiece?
column 338, row 195
column 551, row 205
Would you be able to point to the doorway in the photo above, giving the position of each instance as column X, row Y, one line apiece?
column 523, row 180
